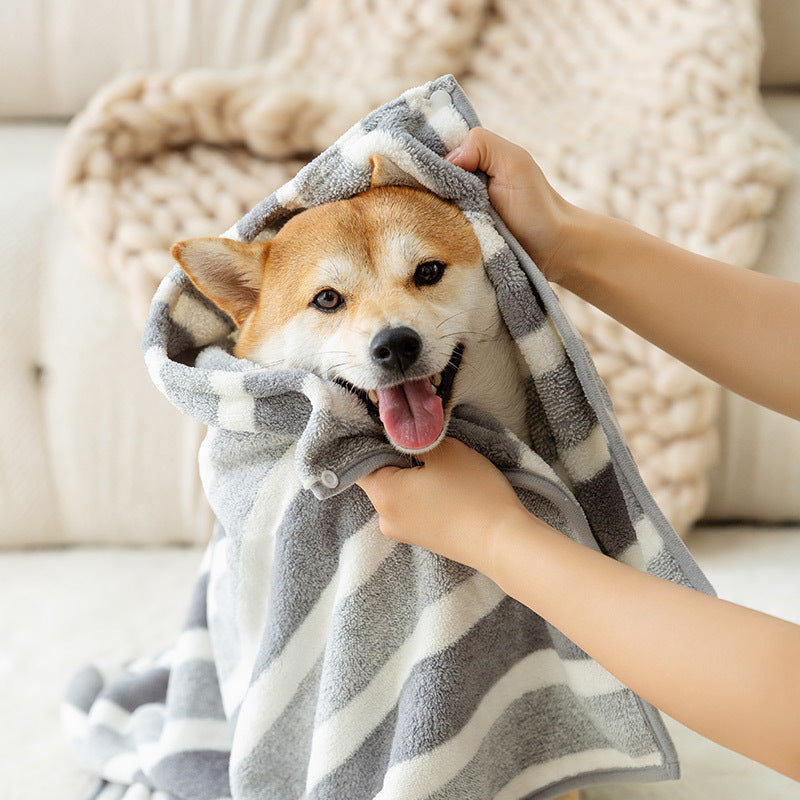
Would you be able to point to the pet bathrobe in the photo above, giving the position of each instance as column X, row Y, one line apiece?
column 321, row 660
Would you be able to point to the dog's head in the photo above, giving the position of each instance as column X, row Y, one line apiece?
column 384, row 292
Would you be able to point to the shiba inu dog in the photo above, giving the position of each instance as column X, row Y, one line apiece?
column 385, row 293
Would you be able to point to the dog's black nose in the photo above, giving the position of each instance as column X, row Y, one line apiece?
column 396, row 348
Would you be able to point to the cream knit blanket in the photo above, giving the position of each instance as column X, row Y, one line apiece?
column 648, row 111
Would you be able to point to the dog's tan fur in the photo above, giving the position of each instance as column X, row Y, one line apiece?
column 367, row 249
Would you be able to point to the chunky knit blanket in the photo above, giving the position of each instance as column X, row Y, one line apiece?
column 322, row 660
column 648, row 111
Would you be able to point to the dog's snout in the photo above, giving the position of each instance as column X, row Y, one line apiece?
column 396, row 348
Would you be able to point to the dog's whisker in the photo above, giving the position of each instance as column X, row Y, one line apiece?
column 480, row 337
column 451, row 317
column 330, row 371
column 487, row 339
column 416, row 316
column 475, row 330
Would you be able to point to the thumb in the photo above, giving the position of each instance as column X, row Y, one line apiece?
column 467, row 155
column 481, row 149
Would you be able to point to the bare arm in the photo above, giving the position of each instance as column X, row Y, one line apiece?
column 739, row 328
column 726, row 671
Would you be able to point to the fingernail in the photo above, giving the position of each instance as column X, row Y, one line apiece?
column 453, row 155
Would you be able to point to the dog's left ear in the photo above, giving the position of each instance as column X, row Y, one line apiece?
column 229, row 273
column 387, row 173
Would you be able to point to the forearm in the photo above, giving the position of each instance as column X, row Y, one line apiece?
column 740, row 328
column 727, row 672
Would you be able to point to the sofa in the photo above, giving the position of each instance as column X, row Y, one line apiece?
column 102, row 508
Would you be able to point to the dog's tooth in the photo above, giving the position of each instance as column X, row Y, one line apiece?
column 373, row 396
column 436, row 380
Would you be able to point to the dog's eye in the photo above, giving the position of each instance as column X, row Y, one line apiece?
column 428, row 273
column 327, row 300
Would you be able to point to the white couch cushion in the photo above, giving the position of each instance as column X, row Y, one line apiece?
column 27, row 495
column 757, row 476
column 89, row 42
column 71, row 470
column 123, row 460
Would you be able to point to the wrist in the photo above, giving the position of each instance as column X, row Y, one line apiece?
column 576, row 236
column 529, row 560
column 505, row 542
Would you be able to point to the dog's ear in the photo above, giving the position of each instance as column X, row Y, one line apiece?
column 387, row 173
column 229, row 273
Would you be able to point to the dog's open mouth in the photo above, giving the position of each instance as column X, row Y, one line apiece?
column 413, row 413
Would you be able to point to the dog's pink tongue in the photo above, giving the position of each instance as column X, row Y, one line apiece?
column 411, row 413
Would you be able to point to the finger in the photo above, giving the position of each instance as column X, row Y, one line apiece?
column 468, row 154
column 465, row 157
column 481, row 149
column 377, row 481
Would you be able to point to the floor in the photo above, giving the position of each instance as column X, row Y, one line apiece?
column 64, row 608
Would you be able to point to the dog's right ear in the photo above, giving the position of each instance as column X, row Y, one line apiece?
column 228, row 272
column 386, row 173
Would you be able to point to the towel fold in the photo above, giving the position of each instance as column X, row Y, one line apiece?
column 320, row 659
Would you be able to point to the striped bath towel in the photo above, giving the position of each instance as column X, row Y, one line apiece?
column 322, row 660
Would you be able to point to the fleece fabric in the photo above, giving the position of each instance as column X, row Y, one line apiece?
column 320, row 659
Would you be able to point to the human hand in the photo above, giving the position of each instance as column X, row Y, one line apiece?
column 454, row 504
column 535, row 213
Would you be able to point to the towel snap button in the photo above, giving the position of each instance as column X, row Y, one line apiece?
column 440, row 99
column 329, row 479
